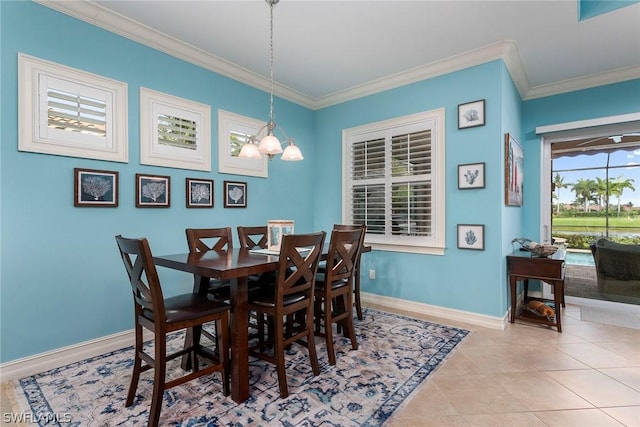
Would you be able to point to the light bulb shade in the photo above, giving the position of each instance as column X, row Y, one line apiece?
column 249, row 151
column 292, row 153
column 270, row 145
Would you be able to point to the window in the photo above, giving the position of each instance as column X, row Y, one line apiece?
column 394, row 182
column 233, row 132
column 70, row 112
column 174, row 132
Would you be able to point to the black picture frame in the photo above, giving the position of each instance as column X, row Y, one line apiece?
column 471, row 236
column 471, row 114
column 235, row 194
column 153, row 191
column 199, row 193
column 471, row 176
column 95, row 188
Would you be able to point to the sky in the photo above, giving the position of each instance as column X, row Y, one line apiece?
column 626, row 163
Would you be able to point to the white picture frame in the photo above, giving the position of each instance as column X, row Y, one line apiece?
column 155, row 107
column 232, row 128
column 276, row 229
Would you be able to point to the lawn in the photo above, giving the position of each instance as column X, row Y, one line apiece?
column 623, row 224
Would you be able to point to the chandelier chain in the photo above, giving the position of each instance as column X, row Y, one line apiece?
column 271, row 121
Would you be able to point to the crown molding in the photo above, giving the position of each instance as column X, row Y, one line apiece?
column 594, row 80
column 506, row 51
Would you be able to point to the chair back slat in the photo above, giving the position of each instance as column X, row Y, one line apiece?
column 209, row 239
column 298, row 264
column 253, row 237
column 344, row 251
column 142, row 273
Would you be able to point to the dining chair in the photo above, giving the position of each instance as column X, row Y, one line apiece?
column 357, row 302
column 334, row 288
column 253, row 237
column 293, row 293
column 163, row 316
column 212, row 239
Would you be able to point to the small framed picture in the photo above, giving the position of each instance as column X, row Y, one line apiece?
column 471, row 114
column 199, row 193
column 470, row 176
column 153, row 191
column 92, row 188
column 471, row 236
column 235, row 194
column 513, row 171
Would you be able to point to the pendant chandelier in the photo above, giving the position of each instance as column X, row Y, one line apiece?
column 270, row 144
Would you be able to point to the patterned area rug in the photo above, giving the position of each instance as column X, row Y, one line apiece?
column 395, row 355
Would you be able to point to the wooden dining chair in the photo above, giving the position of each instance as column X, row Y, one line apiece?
column 293, row 293
column 334, row 288
column 212, row 239
column 166, row 315
column 253, row 237
column 357, row 302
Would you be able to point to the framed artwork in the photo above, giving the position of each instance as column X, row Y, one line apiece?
column 153, row 191
column 276, row 229
column 174, row 132
column 513, row 170
column 471, row 176
column 471, row 236
column 233, row 132
column 93, row 188
column 471, row 114
column 199, row 193
column 235, row 194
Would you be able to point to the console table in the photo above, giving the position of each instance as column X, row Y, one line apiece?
column 522, row 266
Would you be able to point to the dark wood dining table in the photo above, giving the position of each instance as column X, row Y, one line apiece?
column 236, row 265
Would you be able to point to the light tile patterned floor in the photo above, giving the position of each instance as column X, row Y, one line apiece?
column 530, row 375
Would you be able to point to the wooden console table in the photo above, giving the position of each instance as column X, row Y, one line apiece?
column 521, row 266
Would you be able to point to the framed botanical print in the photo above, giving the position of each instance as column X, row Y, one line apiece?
column 235, row 194
column 199, row 193
column 93, row 188
column 471, row 236
column 153, row 191
column 470, row 176
column 471, row 114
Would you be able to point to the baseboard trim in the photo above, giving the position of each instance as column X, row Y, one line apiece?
column 63, row 356
column 395, row 304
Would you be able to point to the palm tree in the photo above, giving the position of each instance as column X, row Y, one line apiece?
column 558, row 183
column 585, row 190
column 601, row 191
column 618, row 186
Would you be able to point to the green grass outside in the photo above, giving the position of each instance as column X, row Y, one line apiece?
column 594, row 224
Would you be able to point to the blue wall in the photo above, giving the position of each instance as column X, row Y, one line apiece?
column 62, row 281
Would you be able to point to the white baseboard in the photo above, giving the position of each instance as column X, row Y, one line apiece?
column 63, row 356
column 395, row 304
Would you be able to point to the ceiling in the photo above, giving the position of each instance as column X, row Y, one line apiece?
column 330, row 51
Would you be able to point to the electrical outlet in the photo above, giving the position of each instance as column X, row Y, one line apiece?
column 372, row 274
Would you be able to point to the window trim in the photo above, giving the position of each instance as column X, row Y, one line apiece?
column 36, row 137
column 152, row 152
column 436, row 245
column 228, row 122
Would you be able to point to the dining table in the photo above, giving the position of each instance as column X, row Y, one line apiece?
column 234, row 265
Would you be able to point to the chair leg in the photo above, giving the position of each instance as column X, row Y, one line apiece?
column 222, row 328
column 311, row 342
column 328, row 331
column 356, row 292
column 158, row 380
column 348, row 322
column 279, row 356
column 137, row 366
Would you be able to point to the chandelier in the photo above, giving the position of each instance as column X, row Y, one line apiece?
column 270, row 144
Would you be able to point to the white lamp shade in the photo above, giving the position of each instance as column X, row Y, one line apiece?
column 292, row 153
column 250, row 151
column 270, row 145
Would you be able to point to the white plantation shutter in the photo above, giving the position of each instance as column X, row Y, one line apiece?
column 394, row 173
column 76, row 113
column 177, row 132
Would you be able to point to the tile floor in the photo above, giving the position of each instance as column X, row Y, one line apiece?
column 530, row 375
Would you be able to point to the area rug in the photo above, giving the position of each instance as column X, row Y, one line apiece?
column 364, row 388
